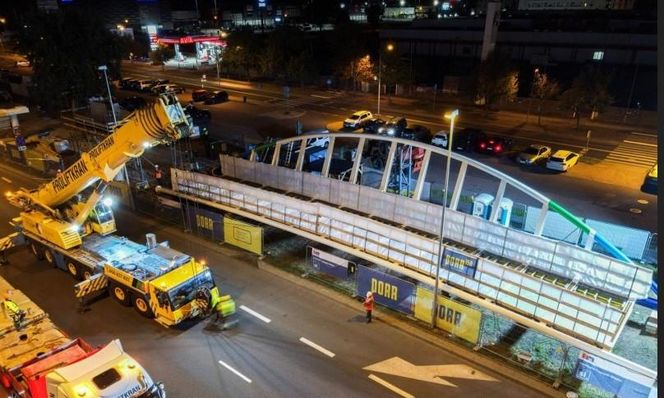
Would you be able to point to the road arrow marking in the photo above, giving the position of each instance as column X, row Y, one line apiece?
column 430, row 373
column 390, row 386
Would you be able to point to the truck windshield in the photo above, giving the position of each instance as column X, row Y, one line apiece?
column 186, row 291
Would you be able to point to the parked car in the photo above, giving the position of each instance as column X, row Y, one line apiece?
column 23, row 62
column 440, row 139
column 167, row 88
column 217, row 97
column 533, row 154
column 394, row 127
column 124, row 83
column 373, row 125
column 418, row 133
column 494, row 145
column 197, row 114
column 200, row 95
column 650, row 181
column 145, row 85
column 160, row 81
column 133, row 84
column 322, row 142
column 132, row 103
column 562, row 160
column 358, row 119
column 468, row 139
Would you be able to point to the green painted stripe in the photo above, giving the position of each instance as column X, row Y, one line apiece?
column 553, row 206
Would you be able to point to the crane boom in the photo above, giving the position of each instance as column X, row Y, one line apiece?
column 164, row 121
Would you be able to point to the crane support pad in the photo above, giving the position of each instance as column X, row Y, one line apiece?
column 10, row 241
column 96, row 283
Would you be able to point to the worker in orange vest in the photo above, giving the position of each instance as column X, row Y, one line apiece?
column 158, row 174
column 369, row 305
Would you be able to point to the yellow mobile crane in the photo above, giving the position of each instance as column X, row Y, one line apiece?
column 69, row 223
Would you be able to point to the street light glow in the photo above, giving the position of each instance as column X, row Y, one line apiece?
column 402, row 3
column 390, row 47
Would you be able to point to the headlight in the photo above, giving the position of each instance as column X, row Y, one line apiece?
column 82, row 390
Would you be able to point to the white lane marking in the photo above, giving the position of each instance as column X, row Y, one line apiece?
column 390, row 386
column 229, row 367
column 320, row 96
column 644, row 134
column 256, row 314
column 317, row 347
column 639, row 143
column 7, row 180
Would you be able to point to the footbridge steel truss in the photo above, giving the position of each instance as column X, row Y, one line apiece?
column 568, row 292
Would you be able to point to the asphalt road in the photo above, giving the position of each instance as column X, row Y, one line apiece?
column 311, row 346
column 606, row 189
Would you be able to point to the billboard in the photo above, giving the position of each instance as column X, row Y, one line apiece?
column 459, row 262
column 204, row 222
column 243, row 235
column 388, row 290
column 611, row 377
column 330, row 264
column 456, row 318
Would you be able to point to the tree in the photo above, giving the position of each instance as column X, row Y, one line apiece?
column 496, row 80
column 162, row 54
column 394, row 70
column 543, row 88
column 240, row 55
column 348, row 44
column 139, row 46
column 588, row 94
column 65, row 49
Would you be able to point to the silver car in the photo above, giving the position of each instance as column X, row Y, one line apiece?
column 533, row 154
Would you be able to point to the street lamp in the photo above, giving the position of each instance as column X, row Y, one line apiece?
column 389, row 47
column 532, row 86
column 104, row 68
column 434, row 305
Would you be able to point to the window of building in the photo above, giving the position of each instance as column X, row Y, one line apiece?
column 598, row 55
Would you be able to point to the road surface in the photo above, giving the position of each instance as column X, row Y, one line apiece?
column 290, row 342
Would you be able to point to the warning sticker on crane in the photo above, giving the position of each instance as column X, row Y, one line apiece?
column 96, row 283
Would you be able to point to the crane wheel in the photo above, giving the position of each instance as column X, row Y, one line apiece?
column 142, row 307
column 36, row 250
column 73, row 270
column 120, row 294
column 49, row 256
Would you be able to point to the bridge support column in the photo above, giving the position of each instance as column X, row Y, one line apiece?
column 300, row 155
column 358, row 161
column 328, row 158
column 276, row 154
column 539, row 227
column 388, row 167
column 458, row 185
column 495, row 209
column 422, row 176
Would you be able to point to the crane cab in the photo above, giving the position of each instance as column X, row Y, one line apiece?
column 101, row 220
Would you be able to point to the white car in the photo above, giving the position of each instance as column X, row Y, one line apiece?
column 562, row 160
column 322, row 142
column 440, row 139
column 23, row 63
column 358, row 119
column 533, row 154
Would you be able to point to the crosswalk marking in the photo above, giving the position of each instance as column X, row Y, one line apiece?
column 634, row 153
